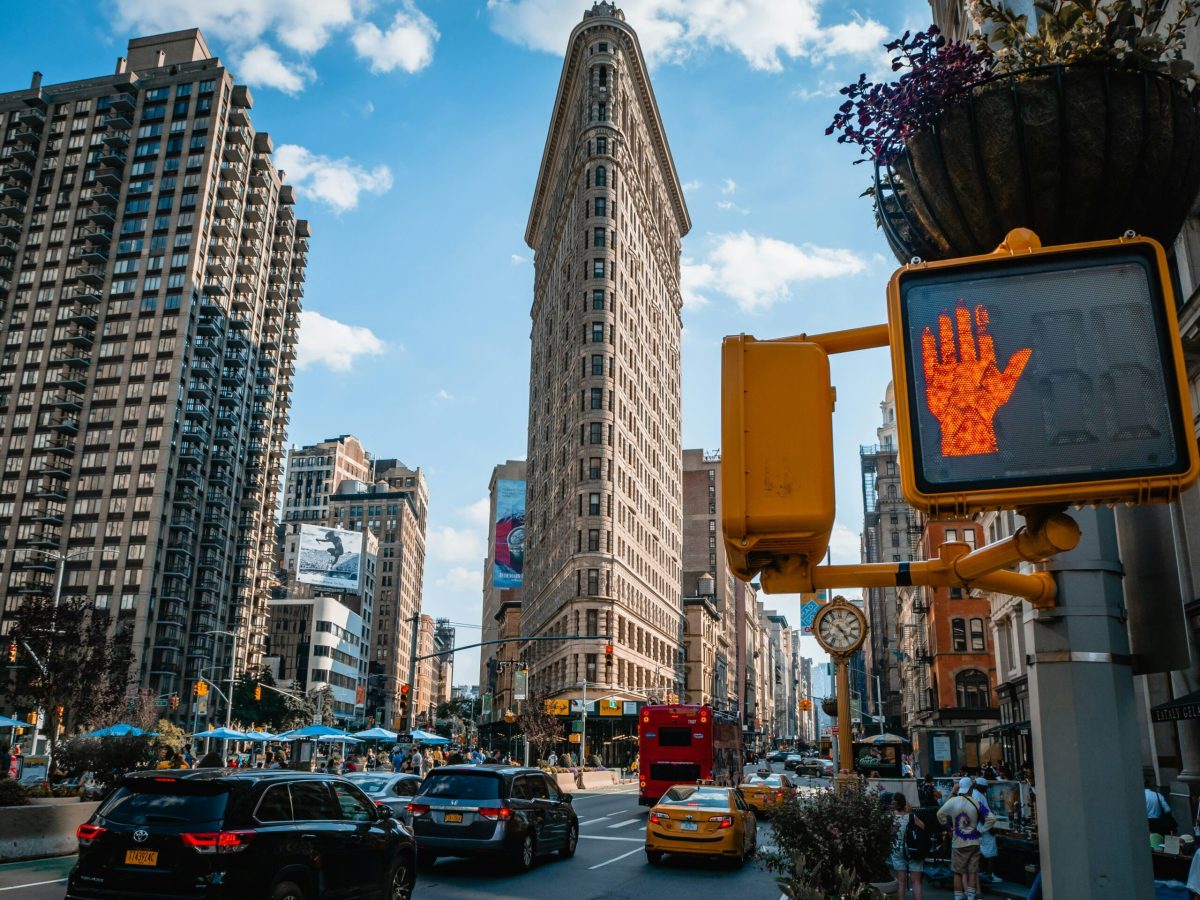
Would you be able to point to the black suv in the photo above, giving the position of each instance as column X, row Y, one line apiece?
column 225, row 833
column 510, row 811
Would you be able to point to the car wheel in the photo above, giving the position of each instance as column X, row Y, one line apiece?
column 426, row 859
column 654, row 857
column 572, row 839
column 287, row 890
column 526, row 855
column 403, row 879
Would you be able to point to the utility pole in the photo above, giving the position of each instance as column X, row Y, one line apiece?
column 1081, row 683
column 583, row 731
column 412, row 672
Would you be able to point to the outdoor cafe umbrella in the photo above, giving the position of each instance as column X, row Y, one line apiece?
column 376, row 734
column 314, row 733
column 261, row 736
column 426, row 737
column 6, row 722
column 121, row 729
column 884, row 739
column 223, row 734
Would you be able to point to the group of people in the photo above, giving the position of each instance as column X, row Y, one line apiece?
column 964, row 819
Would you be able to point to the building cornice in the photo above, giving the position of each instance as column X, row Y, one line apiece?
column 561, row 120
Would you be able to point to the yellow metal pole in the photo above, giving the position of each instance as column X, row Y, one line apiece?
column 866, row 338
column 845, row 738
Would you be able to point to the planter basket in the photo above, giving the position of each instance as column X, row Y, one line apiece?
column 1077, row 153
column 829, row 706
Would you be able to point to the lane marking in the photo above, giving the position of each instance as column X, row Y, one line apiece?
column 626, row 822
column 615, row 859
column 603, row 837
column 17, row 887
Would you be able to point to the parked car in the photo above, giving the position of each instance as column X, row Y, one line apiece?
column 792, row 761
column 220, row 833
column 702, row 820
column 512, row 812
column 777, row 756
column 815, row 767
column 396, row 789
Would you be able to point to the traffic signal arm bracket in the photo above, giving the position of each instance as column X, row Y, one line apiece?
column 868, row 337
column 957, row 565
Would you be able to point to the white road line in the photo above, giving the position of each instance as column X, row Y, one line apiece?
column 626, row 822
column 589, row 821
column 17, row 887
column 614, row 859
column 619, row 812
column 602, row 837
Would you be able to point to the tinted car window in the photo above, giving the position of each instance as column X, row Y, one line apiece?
column 520, row 790
column 155, row 803
column 370, row 785
column 536, row 787
column 275, row 805
column 354, row 807
column 405, row 787
column 312, row 801
column 461, row 786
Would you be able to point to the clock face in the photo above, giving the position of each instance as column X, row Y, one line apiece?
column 840, row 629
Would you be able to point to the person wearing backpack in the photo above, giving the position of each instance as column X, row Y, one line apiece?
column 964, row 815
column 910, row 846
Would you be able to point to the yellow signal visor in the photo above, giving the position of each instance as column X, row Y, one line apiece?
column 1049, row 376
column 777, row 498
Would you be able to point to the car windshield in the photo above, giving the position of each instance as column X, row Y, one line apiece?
column 689, row 795
column 461, row 786
column 769, row 780
column 160, row 803
column 370, row 785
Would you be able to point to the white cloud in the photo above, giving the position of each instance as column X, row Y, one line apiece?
column 693, row 278
column 693, row 185
column 729, row 187
column 478, row 512
column 730, row 206
column 300, row 26
column 517, row 259
column 335, row 182
column 764, row 32
column 444, row 394
column 261, row 65
column 335, row 345
column 758, row 272
column 407, row 45
column 845, row 546
column 459, row 578
column 368, row 108
column 457, row 545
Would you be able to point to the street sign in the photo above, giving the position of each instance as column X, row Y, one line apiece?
column 808, row 611
column 557, row 707
column 833, row 729
column 1049, row 375
column 202, row 705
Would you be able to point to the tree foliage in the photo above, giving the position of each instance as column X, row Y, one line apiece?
column 540, row 728
column 68, row 660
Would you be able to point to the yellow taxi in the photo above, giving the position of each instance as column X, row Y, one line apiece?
column 765, row 791
column 702, row 820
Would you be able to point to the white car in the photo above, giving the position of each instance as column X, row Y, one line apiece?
column 395, row 789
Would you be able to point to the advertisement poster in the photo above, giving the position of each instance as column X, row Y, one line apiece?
column 510, row 534
column 520, row 683
column 941, row 748
column 329, row 558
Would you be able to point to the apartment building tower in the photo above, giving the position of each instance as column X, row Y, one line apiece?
column 151, row 273
column 501, row 590
column 313, row 475
column 604, row 507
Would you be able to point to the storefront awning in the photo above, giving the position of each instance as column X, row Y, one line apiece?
column 1179, row 709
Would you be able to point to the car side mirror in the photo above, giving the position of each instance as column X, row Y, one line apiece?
column 385, row 811
column 568, row 798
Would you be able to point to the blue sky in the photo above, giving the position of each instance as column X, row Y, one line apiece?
column 413, row 132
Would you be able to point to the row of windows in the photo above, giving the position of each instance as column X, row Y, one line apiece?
column 958, row 633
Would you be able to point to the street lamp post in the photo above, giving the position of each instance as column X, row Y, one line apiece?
column 232, row 677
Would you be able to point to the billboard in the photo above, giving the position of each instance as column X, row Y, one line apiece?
column 510, row 534
column 329, row 558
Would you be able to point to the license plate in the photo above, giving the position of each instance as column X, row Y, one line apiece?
column 688, row 826
column 141, row 857
column 453, row 817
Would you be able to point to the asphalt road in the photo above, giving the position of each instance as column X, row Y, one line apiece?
column 609, row 863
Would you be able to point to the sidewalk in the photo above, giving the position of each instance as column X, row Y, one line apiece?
column 1001, row 890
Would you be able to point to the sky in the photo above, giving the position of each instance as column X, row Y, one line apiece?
column 413, row 130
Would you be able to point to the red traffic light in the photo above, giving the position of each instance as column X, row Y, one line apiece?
column 608, row 650
column 404, row 690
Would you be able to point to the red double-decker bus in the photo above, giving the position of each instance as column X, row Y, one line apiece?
column 684, row 745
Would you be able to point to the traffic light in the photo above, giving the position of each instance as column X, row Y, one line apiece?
column 12, row 651
column 777, row 504
column 403, row 710
column 257, row 692
column 805, row 705
column 1040, row 376
column 173, row 701
column 608, row 654
column 201, row 688
column 31, row 718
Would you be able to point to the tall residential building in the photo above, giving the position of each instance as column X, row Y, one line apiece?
column 313, row 474
column 395, row 510
column 890, row 531
column 604, row 508
column 151, row 272
column 509, row 477
column 443, row 666
column 704, row 555
column 422, row 689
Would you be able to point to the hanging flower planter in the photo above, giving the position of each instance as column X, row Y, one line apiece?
column 1076, row 153
column 829, row 706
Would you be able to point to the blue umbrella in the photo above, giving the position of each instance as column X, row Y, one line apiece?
column 376, row 733
column 223, row 734
column 314, row 732
column 122, row 730
column 428, row 737
column 6, row 722
column 262, row 736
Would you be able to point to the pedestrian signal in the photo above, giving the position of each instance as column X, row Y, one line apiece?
column 1040, row 376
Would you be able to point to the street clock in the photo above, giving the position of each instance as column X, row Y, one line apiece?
column 840, row 627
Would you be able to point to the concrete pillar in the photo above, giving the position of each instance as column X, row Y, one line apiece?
column 1091, row 816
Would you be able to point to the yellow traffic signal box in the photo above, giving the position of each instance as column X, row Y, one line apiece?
column 1040, row 376
column 776, row 457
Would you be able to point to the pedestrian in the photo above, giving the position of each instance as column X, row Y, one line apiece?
column 210, row 760
column 988, row 848
column 5, row 762
column 1158, row 814
column 906, row 769
column 418, row 762
column 963, row 814
column 552, row 760
column 927, row 793
column 16, row 762
column 910, row 846
column 178, row 762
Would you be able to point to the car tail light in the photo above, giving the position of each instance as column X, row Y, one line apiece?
column 418, row 809
column 657, row 817
column 218, row 841
column 722, row 821
column 495, row 813
column 87, row 833
column 779, row 795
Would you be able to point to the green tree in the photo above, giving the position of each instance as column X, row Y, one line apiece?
column 540, row 728
column 272, row 711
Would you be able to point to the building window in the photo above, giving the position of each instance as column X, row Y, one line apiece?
column 597, row 333
column 951, row 534
column 593, row 582
column 593, row 546
column 594, row 467
column 712, row 526
column 602, row 112
column 597, row 364
column 891, row 492
column 593, row 622
column 969, row 537
column 597, row 398
column 601, row 173
column 601, row 145
column 972, row 690
column 601, row 206
column 598, row 268
column 598, row 296
column 598, row 235
column 593, row 504
column 595, row 433
column 978, row 642
column 591, row 667
column 891, row 467
column 958, row 633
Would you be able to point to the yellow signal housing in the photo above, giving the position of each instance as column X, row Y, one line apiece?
column 777, row 504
